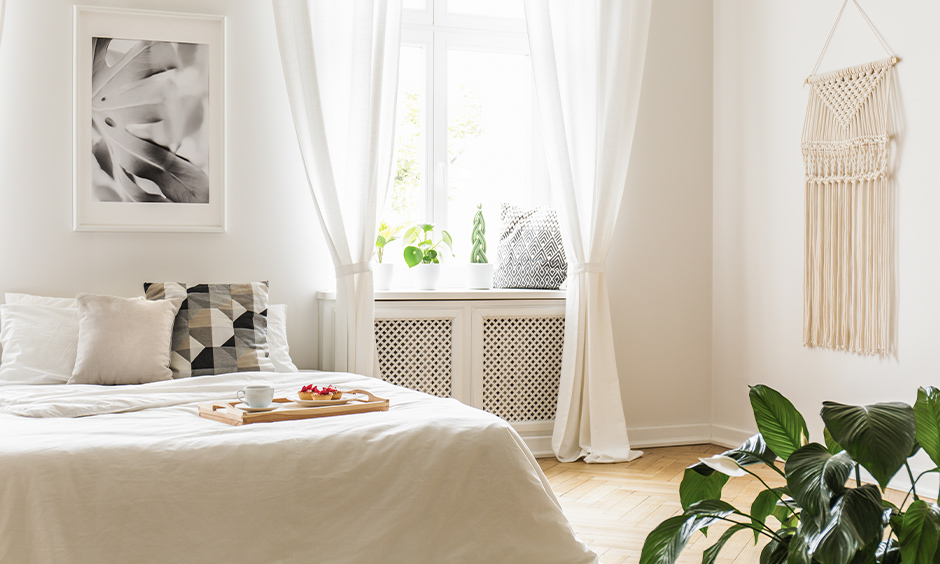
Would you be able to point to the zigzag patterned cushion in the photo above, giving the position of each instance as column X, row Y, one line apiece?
column 530, row 253
column 220, row 328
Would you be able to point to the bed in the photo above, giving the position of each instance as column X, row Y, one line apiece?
column 130, row 474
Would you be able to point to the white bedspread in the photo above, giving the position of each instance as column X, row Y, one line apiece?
column 142, row 479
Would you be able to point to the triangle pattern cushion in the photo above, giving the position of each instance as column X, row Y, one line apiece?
column 220, row 328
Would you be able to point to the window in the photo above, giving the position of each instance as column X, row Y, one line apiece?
column 467, row 127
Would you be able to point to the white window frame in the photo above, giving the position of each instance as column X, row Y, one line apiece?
column 437, row 32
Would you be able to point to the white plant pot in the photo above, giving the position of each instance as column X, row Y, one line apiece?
column 480, row 276
column 383, row 274
column 427, row 276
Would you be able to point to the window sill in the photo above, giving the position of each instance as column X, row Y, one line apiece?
column 456, row 294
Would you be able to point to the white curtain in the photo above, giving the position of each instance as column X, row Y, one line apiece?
column 340, row 62
column 3, row 11
column 587, row 59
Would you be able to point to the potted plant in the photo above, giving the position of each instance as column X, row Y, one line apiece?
column 479, row 272
column 422, row 250
column 384, row 272
column 824, row 513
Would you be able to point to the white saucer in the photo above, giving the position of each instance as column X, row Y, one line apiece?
column 245, row 407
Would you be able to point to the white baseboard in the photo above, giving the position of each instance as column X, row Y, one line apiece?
column 669, row 435
column 541, row 446
column 540, row 443
column 730, row 437
column 648, row 437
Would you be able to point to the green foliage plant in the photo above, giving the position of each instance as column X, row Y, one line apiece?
column 478, row 238
column 824, row 514
column 421, row 247
column 386, row 235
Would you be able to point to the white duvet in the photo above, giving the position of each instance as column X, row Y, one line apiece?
column 140, row 478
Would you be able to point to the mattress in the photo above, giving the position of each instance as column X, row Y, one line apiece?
column 130, row 474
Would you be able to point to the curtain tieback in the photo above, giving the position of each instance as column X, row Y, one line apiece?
column 587, row 267
column 344, row 270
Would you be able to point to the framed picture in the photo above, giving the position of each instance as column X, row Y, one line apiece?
column 149, row 121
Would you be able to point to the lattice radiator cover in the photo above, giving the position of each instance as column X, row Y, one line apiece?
column 416, row 353
column 522, row 366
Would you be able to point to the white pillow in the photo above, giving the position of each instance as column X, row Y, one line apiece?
column 40, row 343
column 13, row 298
column 278, row 349
column 123, row 340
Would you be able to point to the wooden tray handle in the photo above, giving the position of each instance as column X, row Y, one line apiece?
column 370, row 395
column 216, row 406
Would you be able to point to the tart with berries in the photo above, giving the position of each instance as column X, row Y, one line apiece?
column 311, row 392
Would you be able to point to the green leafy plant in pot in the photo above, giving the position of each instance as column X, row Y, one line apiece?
column 479, row 271
column 384, row 272
column 824, row 513
column 422, row 251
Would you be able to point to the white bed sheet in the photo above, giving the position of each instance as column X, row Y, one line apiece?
column 429, row 481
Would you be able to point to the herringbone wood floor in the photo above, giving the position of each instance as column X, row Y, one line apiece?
column 612, row 507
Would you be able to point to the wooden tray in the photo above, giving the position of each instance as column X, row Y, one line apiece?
column 226, row 412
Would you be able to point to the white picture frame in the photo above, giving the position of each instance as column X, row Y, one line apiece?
column 154, row 170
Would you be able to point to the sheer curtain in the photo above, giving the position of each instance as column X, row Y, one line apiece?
column 3, row 11
column 340, row 63
column 587, row 59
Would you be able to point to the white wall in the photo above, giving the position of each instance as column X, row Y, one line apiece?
column 661, row 259
column 763, row 52
column 660, row 263
column 272, row 232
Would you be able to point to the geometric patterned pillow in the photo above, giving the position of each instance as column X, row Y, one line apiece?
column 220, row 328
column 530, row 252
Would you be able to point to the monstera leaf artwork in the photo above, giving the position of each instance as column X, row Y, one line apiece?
column 149, row 114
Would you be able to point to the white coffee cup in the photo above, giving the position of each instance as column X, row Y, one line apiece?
column 260, row 395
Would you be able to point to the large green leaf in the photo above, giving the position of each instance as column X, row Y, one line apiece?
column 780, row 424
column 775, row 551
column 711, row 553
column 814, row 477
column 752, row 451
column 695, row 487
column 866, row 554
column 831, row 445
column 799, row 550
column 919, row 534
column 879, row 437
column 764, row 504
column 710, row 507
column 664, row 543
column 853, row 523
column 927, row 415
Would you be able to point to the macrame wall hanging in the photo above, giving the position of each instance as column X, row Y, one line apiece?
column 848, row 285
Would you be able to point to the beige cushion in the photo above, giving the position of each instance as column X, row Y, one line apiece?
column 123, row 340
